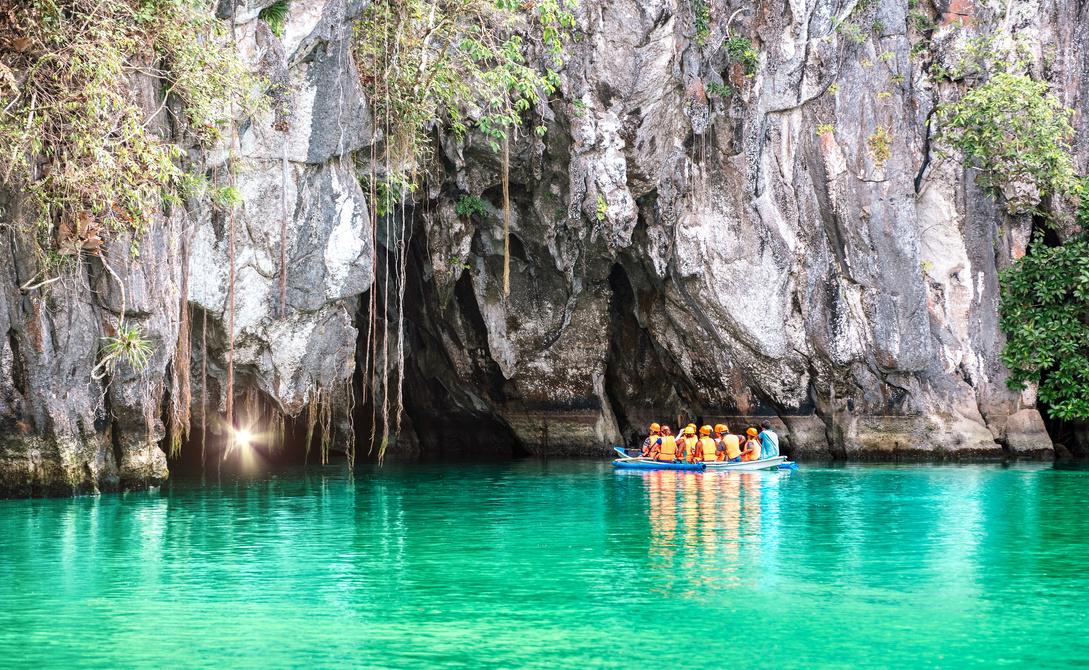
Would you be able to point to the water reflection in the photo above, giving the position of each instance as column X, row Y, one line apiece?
column 538, row 564
column 721, row 526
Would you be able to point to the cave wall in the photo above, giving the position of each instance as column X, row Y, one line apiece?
column 741, row 264
column 677, row 254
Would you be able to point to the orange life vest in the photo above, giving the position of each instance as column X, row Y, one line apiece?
column 667, row 449
column 733, row 446
column 753, row 444
column 707, row 450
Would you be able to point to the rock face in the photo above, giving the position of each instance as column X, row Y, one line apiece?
column 1026, row 435
column 689, row 242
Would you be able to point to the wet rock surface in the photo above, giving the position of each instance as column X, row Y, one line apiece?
column 685, row 246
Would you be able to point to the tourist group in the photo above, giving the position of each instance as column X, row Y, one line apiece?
column 725, row 446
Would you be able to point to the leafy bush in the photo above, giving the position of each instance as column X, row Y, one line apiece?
column 715, row 88
column 878, row 144
column 740, row 50
column 275, row 15
column 1043, row 311
column 457, row 64
column 73, row 138
column 1013, row 130
column 702, row 19
column 470, row 205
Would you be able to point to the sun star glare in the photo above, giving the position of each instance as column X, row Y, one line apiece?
column 242, row 437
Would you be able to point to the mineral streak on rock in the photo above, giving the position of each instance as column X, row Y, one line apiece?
column 678, row 254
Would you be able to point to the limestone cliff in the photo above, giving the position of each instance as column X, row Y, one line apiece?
column 685, row 246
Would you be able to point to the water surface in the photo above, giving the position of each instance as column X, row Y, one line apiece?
column 562, row 564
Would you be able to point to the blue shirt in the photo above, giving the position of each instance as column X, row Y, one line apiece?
column 769, row 443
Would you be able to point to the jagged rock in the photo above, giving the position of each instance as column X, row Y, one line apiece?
column 677, row 254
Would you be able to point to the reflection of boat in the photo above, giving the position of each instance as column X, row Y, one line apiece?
column 649, row 464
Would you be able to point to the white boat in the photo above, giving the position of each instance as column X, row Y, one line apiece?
column 762, row 464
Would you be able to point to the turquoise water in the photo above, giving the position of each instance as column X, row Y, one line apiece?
column 557, row 564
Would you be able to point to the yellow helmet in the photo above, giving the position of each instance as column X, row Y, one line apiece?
column 690, row 430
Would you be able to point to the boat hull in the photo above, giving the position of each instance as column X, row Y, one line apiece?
column 640, row 464
column 762, row 464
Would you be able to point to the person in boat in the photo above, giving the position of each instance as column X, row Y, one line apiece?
column 650, row 442
column 687, row 446
column 730, row 444
column 706, row 449
column 665, row 450
column 769, row 440
column 752, row 447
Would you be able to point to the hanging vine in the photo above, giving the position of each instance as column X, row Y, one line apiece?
column 459, row 65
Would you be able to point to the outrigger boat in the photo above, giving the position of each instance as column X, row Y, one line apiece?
column 639, row 463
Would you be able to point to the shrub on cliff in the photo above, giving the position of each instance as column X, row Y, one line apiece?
column 74, row 137
column 1044, row 309
column 1017, row 134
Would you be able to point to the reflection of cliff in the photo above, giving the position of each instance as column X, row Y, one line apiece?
column 717, row 525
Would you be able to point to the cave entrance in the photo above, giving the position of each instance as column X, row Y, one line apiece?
column 264, row 449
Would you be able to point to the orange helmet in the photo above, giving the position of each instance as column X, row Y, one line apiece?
column 665, row 430
column 706, row 430
column 691, row 425
column 721, row 428
column 654, row 428
column 751, row 432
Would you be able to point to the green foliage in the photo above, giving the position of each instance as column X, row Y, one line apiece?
column 426, row 62
column 849, row 30
column 702, row 18
column 715, row 88
column 128, row 345
column 825, row 129
column 73, row 137
column 740, row 50
column 878, row 144
column 602, row 207
column 1012, row 129
column 275, row 15
column 389, row 192
column 470, row 205
column 833, row 89
column 1043, row 311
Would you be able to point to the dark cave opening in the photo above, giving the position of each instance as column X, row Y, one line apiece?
column 451, row 412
